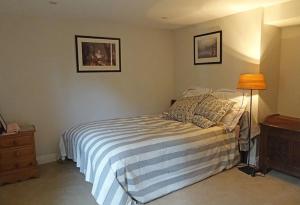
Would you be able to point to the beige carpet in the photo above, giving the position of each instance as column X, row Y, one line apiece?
column 62, row 184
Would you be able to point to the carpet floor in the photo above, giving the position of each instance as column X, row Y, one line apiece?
column 63, row 184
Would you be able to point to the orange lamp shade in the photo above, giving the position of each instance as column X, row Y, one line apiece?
column 251, row 81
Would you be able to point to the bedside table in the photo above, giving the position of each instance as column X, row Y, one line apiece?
column 17, row 156
column 280, row 145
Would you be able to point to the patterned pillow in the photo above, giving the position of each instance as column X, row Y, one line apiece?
column 202, row 121
column 213, row 108
column 183, row 109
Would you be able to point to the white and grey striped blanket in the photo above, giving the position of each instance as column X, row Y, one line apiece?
column 136, row 160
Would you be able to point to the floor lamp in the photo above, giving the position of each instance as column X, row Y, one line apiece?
column 250, row 82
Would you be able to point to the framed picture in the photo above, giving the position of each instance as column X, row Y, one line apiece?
column 208, row 48
column 3, row 126
column 98, row 54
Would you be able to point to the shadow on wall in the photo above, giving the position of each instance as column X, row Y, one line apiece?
column 270, row 66
column 229, row 72
column 253, row 60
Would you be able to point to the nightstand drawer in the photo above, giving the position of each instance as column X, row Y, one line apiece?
column 16, row 141
column 17, row 164
column 16, row 153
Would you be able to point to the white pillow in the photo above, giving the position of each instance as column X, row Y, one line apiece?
column 195, row 91
column 231, row 119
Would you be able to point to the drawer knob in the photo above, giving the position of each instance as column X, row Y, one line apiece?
column 15, row 142
column 16, row 166
column 17, row 154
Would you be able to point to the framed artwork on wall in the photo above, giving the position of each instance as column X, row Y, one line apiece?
column 98, row 54
column 208, row 48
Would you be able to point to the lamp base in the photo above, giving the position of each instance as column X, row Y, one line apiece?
column 248, row 170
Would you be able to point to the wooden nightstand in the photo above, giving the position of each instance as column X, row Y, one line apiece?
column 280, row 145
column 17, row 156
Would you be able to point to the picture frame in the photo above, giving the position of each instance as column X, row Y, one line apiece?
column 98, row 54
column 3, row 125
column 208, row 48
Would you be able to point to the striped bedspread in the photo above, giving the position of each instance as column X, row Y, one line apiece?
column 136, row 160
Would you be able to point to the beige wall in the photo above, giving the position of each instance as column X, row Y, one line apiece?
column 39, row 83
column 241, row 52
column 284, row 14
column 289, row 83
column 269, row 66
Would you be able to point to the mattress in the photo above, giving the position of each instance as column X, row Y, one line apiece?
column 136, row 160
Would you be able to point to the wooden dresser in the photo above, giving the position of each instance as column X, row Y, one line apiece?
column 17, row 156
column 280, row 145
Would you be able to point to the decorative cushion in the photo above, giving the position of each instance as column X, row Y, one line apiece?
column 196, row 91
column 213, row 108
column 202, row 121
column 183, row 109
column 231, row 119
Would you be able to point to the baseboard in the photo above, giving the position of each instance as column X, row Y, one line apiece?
column 47, row 158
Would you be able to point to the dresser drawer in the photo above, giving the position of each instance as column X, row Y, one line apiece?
column 18, row 175
column 16, row 153
column 17, row 164
column 16, row 141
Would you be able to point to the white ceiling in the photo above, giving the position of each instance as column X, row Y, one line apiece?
column 178, row 13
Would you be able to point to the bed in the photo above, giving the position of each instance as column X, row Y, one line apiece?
column 136, row 160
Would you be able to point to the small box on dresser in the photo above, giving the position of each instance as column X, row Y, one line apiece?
column 280, row 145
column 17, row 156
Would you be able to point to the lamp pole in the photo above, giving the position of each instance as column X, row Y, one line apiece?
column 249, row 131
column 248, row 169
column 250, row 81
